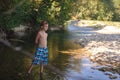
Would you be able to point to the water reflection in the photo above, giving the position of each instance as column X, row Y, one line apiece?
column 63, row 54
column 13, row 64
column 58, row 41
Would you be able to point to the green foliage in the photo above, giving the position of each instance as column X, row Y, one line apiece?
column 17, row 17
column 97, row 10
column 56, row 12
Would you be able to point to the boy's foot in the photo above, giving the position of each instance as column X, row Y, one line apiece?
column 27, row 74
column 24, row 75
column 41, row 76
column 29, row 71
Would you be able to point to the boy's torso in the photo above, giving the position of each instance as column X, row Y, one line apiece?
column 42, row 40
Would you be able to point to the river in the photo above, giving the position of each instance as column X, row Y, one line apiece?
column 62, row 49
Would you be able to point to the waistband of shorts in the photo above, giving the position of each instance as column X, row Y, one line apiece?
column 42, row 48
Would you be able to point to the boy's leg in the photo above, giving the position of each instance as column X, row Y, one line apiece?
column 41, row 67
column 41, row 71
column 29, row 71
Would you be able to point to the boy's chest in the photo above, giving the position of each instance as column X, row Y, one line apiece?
column 44, row 35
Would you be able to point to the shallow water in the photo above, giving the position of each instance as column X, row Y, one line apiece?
column 14, row 65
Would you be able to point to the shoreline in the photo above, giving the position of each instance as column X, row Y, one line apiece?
column 102, row 44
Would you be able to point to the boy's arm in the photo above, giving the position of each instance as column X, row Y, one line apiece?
column 37, row 38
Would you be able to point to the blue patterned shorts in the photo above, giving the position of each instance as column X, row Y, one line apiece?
column 41, row 56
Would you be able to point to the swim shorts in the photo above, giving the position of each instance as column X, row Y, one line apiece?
column 41, row 56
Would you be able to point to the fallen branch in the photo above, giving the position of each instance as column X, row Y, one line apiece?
column 17, row 40
column 8, row 44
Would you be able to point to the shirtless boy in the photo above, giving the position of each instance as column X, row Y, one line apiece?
column 41, row 54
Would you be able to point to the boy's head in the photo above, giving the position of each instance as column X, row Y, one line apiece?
column 44, row 25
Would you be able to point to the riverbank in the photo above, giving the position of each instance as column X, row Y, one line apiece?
column 102, row 43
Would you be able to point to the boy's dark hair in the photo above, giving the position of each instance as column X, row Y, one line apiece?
column 43, row 22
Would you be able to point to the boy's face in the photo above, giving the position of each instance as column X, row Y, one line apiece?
column 45, row 26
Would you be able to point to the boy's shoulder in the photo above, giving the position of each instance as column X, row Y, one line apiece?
column 39, row 32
